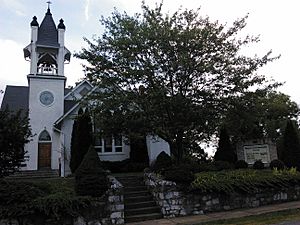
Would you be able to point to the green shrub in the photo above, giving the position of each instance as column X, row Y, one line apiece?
column 42, row 201
column 276, row 163
column 179, row 174
column 163, row 161
column 16, row 198
column 115, row 166
column 223, row 165
column 244, row 181
column 204, row 167
column 258, row 165
column 241, row 164
column 90, row 178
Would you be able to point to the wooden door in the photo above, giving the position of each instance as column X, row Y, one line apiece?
column 44, row 155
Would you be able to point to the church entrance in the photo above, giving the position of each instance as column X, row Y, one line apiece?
column 44, row 150
column 44, row 155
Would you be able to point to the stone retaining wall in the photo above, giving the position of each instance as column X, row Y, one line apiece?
column 111, row 212
column 175, row 203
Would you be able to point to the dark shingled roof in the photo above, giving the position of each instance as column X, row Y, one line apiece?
column 47, row 33
column 16, row 98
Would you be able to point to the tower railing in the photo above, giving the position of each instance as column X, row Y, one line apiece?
column 47, row 70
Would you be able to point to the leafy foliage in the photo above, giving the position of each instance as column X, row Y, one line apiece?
column 14, row 134
column 260, row 114
column 42, row 201
column 276, row 163
column 258, row 165
column 169, row 75
column 225, row 151
column 82, row 138
column 138, row 150
column 90, row 178
column 244, row 181
column 162, row 162
column 124, row 166
column 179, row 174
column 241, row 164
column 291, row 146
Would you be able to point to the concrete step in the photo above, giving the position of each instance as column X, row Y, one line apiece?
column 34, row 174
column 136, row 194
column 140, row 211
column 143, row 217
column 137, row 199
column 135, row 188
column 135, row 205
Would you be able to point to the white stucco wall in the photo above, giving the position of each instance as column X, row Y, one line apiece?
column 156, row 145
column 43, row 117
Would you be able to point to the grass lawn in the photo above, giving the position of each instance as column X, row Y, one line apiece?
column 263, row 219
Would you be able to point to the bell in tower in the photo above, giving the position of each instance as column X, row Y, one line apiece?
column 46, row 52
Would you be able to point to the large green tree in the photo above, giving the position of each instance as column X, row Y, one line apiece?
column 259, row 114
column 15, row 132
column 169, row 75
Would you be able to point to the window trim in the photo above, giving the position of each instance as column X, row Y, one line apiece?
column 101, row 152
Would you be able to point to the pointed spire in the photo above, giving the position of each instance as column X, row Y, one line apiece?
column 61, row 24
column 48, row 10
column 34, row 22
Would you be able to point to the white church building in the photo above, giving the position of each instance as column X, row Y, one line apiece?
column 52, row 107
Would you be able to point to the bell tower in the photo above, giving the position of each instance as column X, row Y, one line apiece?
column 46, row 80
column 47, row 52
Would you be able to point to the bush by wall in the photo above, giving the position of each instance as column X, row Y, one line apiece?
column 163, row 161
column 276, row 163
column 179, row 174
column 241, row 164
column 41, row 202
column 244, row 181
column 90, row 178
column 258, row 165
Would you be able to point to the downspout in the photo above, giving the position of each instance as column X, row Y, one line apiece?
column 62, row 142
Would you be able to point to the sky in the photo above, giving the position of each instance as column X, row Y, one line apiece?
column 275, row 21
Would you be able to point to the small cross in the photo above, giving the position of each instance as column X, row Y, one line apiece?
column 49, row 4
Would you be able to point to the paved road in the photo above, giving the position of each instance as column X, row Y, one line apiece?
column 189, row 220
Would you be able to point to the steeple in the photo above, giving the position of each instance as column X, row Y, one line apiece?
column 46, row 52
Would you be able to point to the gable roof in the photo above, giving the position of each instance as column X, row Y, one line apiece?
column 47, row 33
column 16, row 98
column 78, row 86
column 75, row 105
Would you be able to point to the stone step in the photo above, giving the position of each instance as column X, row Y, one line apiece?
column 139, row 211
column 135, row 188
column 36, row 174
column 135, row 205
column 136, row 194
column 132, row 183
column 143, row 217
column 137, row 199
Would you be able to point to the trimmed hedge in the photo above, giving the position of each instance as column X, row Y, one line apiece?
column 276, row 163
column 241, row 164
column 244, row 181
column 258, row 165
column 163, row 162
column 43, row 202
column 90, row 178
column 179, row 174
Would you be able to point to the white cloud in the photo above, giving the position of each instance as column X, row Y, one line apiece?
column 15, row 68
column 15, row 6
column 86, row 9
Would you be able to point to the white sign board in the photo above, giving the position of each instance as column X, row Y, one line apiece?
column 257, row 152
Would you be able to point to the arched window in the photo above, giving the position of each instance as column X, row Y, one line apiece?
column 44, row 136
